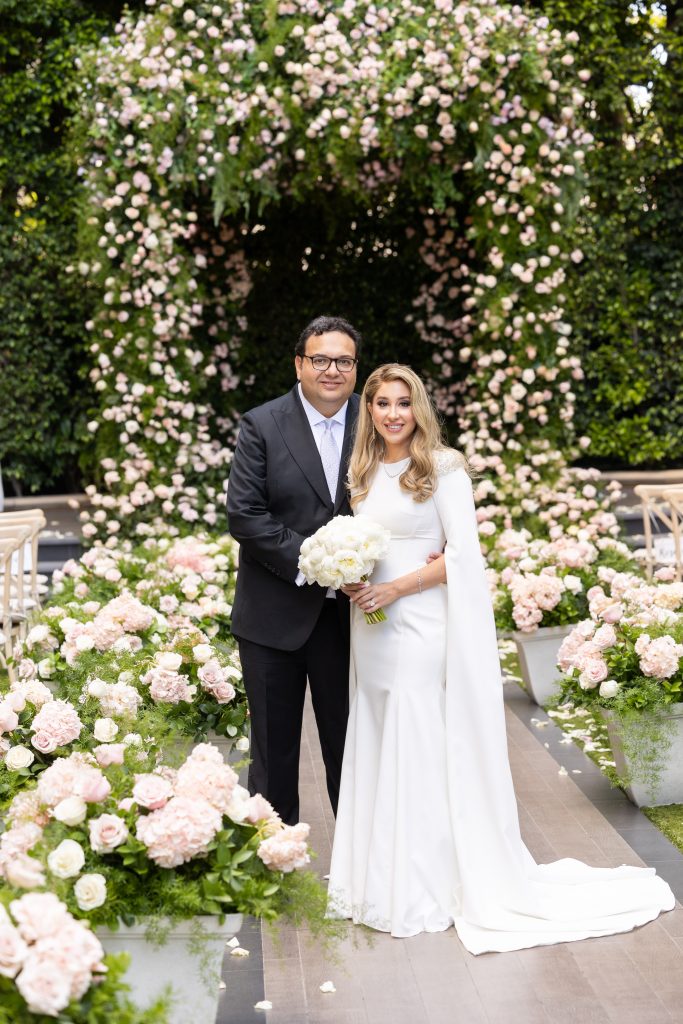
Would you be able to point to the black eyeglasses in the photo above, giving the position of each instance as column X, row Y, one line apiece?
column 342, row 363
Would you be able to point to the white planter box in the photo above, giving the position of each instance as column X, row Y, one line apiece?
column 538, row 660
column 669, row 782
column 189, row 961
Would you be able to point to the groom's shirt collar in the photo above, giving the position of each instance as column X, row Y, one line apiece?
column 315, row 418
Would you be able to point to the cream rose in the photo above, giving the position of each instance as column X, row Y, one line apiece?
column 90, row 891
column 67, row 859
column 105, row 730
column 19, row 757
column 609, row 688
column 71, row 811
column 202, row 652
column 46, row 668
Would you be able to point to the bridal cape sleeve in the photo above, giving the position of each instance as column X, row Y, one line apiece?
column 506, row 900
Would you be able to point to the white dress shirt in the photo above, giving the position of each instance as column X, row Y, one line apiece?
column 317, row 422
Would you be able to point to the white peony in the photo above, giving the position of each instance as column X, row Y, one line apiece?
column 105, row 729
column 19, row 757
column 67, row 859
column 97, row 687
column 71, row 811
column 90, row 891
column 169, row 661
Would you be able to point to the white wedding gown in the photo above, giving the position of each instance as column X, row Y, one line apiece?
column 427, row 831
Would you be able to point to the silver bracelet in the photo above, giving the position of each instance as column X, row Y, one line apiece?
column 419, row 581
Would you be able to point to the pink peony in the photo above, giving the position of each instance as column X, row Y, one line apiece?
column 120, row 699
column 107, row 832
column 39, row 915
column 206, row 774
column 13, row 950
column 152, row 791
column 287, row 849
column 179, row 831
column 55, row 725
column 661, row 658
column 168, row 687
column 75, row 775
column 128, row 612
column 44, row 986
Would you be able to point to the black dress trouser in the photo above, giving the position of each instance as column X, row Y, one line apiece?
column 275, row 682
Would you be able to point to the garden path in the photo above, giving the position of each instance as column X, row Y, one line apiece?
column 431, row 979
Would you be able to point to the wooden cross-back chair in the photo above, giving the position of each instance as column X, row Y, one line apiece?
column 661, row 507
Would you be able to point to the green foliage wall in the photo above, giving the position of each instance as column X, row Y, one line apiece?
column 626, row 302
column 42, row 311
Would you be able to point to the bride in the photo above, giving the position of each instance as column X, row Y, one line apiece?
column 427, row 833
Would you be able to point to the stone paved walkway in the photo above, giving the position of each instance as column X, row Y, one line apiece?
column 430, row 979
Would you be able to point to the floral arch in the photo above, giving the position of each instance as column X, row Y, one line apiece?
column 199, row 118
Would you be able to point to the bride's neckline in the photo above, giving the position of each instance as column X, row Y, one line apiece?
column 398, row 467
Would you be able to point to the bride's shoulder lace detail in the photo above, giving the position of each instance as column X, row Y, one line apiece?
column 447, row 461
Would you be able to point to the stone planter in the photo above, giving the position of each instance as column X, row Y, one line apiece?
column 538, row 660
column 666, row 786
column 189, row 960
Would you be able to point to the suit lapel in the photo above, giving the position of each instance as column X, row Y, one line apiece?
column 293, row 424
column 349, row 432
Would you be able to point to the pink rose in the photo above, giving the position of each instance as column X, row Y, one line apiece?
column 109, row 753
column 9, row 719
column 107, row 832
column 605, row 637
column 44, row 985
column 94, row 788
column 152, row 791
column 287, row 849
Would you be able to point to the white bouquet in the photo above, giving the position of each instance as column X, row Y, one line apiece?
column 344, row 551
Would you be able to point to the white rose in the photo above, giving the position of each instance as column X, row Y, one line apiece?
column 71, row 811
column 573, row 584
column 84, row 642
column 242, row 743
column 169, row 661
column 609, row 688
column 125, row 677
column 46, row 668
column 67, row 859
column 19, row 757
column 97, row 687
column 202, row 652
column 105, row 730
column 90, row 891
column 37, row 635
column 132, row 739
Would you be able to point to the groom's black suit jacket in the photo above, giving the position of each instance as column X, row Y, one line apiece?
column 278, row 496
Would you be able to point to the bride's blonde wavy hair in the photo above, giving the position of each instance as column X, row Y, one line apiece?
column 419, row 477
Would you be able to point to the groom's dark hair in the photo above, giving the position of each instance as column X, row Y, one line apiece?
column 324, row 324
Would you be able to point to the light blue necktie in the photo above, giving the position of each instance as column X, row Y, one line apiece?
column 329, row 454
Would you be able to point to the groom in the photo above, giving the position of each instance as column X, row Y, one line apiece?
column 287, row 479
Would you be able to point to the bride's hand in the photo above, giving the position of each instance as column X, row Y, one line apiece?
column 371, row 596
